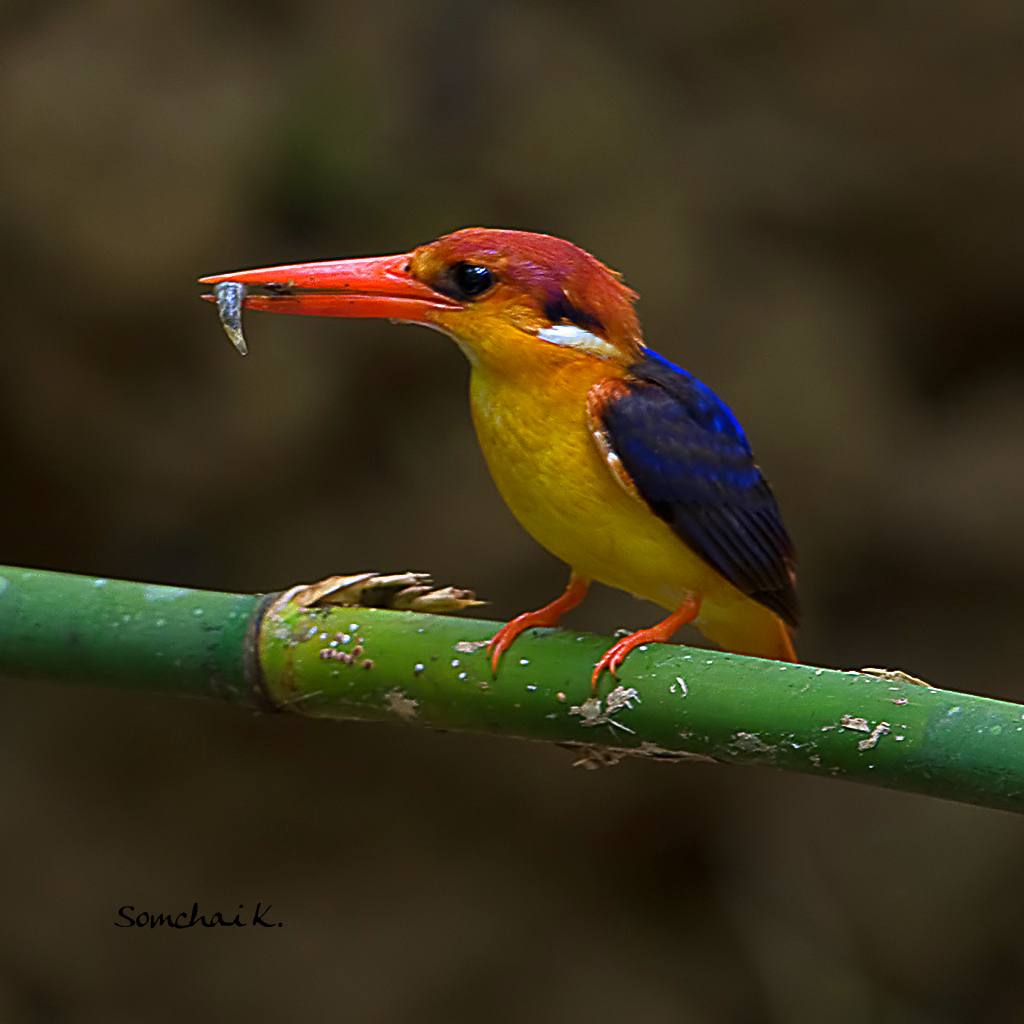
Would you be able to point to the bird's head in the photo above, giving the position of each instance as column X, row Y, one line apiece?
column 490, row 289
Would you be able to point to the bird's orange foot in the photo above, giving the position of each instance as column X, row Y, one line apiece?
column 659, row 634
column 546, row 616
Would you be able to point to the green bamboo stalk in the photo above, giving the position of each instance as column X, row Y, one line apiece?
column 670, row 702
column 86, row 629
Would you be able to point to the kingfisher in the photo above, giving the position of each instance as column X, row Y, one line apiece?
column 622, row 464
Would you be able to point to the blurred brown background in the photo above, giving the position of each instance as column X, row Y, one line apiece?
column 821, row 207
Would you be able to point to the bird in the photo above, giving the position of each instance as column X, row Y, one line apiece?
column 622, row 464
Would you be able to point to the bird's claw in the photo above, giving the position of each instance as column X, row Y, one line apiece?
column 659, row 634
column 502, row 640
column 611, row 660
column 549, row 615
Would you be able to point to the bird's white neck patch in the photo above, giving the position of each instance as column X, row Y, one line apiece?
column 570, row 336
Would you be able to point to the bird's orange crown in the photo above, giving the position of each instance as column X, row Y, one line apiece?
column 558, row 282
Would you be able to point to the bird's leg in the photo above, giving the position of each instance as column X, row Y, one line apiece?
column 659, row 634
column 546, row 616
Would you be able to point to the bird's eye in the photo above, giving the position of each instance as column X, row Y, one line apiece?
column 470, row 279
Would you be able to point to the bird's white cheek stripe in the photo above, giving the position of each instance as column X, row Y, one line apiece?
column 570, row 336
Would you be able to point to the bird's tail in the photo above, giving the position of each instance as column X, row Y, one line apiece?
column 751, row 629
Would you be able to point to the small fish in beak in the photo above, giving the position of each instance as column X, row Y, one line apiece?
column 229, row 308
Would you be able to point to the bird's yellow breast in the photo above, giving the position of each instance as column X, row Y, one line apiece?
column 530, row 413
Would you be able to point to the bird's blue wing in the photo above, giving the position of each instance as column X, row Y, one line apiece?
column 688, row 458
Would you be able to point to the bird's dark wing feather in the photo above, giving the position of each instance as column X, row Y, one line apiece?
column 688, row 458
